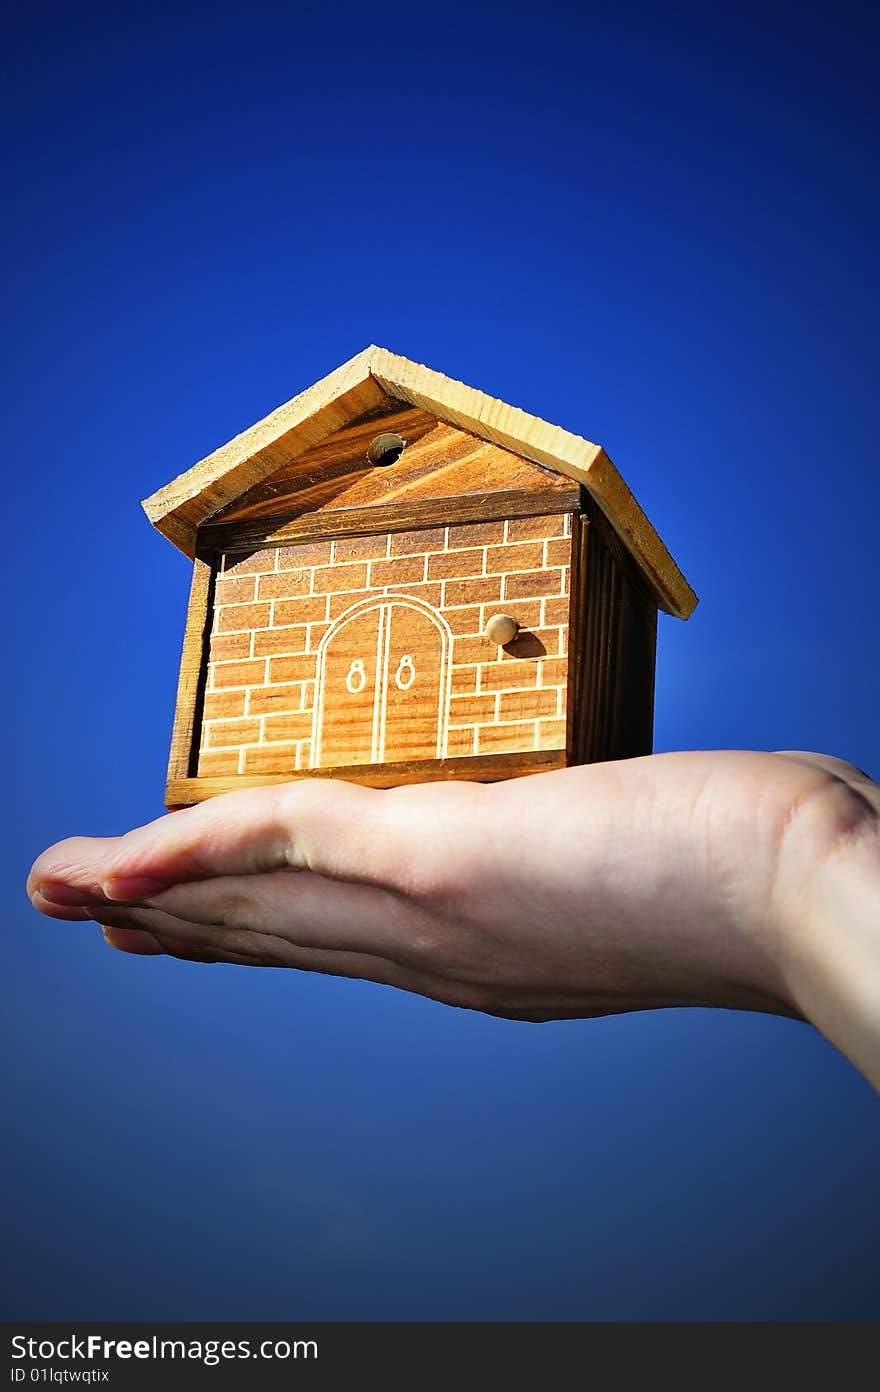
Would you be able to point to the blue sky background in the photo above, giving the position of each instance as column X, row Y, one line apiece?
column 654, row 225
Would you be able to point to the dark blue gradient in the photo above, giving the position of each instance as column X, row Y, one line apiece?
column 656, row 226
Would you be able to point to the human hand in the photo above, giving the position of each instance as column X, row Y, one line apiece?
column 677, row 879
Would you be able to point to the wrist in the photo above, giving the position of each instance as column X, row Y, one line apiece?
column 825, row 925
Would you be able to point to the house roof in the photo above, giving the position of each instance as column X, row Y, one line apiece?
column 180, row 508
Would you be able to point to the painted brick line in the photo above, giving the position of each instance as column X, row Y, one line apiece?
column 272, row 609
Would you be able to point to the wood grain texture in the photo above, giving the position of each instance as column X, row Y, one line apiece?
column 193, row 663
column 362, row 661
column 614, row 634
column 183, row 792
column 546, row 444
column 388, row 517
column 439, row 461
column 580, row 543
column 359, row 385
column 383, row 686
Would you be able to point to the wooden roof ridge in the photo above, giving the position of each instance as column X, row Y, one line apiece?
column 178, row 509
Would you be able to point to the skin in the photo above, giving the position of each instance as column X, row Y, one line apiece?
column 727, row 878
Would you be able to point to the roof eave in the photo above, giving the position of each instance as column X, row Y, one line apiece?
column 179, row 509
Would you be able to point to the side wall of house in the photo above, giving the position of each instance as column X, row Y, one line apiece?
column 273, row 607
column 616, row 631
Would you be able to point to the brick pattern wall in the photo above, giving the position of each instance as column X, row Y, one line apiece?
column 273, row 607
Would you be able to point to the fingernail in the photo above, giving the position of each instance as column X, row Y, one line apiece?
column 67, row 896
column 121, row 889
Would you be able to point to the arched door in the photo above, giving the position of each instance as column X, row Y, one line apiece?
column 382, row 686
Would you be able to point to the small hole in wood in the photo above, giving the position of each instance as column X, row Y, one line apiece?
column 386, row 449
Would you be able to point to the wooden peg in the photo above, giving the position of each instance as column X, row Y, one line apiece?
column 502, row 629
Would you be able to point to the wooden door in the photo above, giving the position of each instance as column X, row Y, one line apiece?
column 382, row 686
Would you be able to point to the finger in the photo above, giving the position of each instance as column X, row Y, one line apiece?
column 311, row 911
column 194, row 942
column 70, row 865
column 186, row 953
column 290, row 827
column 312, row 824
column 69, row 912
column 133, row 940
column 143, row 944
column 374, row 836
column 267, row 949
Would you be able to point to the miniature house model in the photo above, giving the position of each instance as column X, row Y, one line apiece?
column 398, row 578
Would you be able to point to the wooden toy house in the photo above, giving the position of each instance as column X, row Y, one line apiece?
column 398, row 578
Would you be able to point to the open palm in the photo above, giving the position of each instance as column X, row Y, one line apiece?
column 688, row 878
